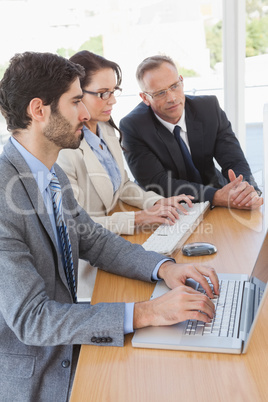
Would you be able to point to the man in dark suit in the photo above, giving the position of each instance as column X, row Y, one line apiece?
column 170, row 142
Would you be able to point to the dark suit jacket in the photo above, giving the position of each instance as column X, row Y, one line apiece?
column 154, row 155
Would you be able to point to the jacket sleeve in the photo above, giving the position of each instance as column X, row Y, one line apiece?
column 132, row 194
column 34, row 302
column 67, row 161
column 228, row 152
column 122, row 223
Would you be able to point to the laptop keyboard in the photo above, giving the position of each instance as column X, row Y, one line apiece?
column 225, row 312
column 260, row 294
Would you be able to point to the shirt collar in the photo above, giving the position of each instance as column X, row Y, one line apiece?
column 170, row 126
column 40, row 172
column 92, row 139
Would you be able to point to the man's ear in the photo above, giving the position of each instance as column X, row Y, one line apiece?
column 37, row 110
column 144, row 98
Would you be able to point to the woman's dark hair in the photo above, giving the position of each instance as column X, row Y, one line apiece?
column 34, row 75
column 93, row 63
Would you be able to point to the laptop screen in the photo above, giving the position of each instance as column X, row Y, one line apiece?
column 260, row 270
column 259, row 276
column 258, row 280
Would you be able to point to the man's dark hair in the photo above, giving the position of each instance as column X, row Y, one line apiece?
column 34, row 75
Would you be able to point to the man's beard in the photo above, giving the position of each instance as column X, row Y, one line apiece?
column 61, row 133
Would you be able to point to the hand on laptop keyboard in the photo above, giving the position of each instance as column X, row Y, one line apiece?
column 176, row 275
column 177, row 305
column 200, row 289
column 182, row 302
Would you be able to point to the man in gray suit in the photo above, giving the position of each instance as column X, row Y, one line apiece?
column 41, row 324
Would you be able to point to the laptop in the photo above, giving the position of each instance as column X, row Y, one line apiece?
column 237, row 311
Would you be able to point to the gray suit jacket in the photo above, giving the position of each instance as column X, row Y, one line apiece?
column 39, row 324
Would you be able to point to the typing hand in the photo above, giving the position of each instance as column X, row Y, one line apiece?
column 176, row 202
column 157, row 214
column 163, row 211
column 176, row 275
column 180, row 304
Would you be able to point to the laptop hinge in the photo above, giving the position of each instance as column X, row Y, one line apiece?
column 247, row 310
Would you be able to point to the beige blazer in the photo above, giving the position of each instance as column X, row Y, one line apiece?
column 93, row 188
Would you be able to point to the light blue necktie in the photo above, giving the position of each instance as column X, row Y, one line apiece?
column 55, row 190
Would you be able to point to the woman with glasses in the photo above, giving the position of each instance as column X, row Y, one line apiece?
column 96, row 169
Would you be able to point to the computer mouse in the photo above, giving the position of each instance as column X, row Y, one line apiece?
column 198, row 248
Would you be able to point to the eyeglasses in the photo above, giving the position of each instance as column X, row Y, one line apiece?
column 162, row 94
column 105, row 95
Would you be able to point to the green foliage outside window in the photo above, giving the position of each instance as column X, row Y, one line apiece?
column 3, row 68
column 93, row 44
column 256, row 32
column 214, row 43
column 257, row 37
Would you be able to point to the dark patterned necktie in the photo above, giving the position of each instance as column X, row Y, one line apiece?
column 193, row 174
column 55, row 190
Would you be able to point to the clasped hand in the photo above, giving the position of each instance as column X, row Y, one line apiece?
column 237, row 194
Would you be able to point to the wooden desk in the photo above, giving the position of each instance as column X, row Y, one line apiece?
column 144, row 375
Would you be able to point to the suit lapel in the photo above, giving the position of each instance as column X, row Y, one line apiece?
column 36, row 198
column 195, row 138
column 31, row 187
column 98, row 175
column 70, row 212
column 29, row 183
column 40, row 208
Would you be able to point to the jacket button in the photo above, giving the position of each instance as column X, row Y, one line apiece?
column 109, row 339
column 103, row 339
column 65, row 363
